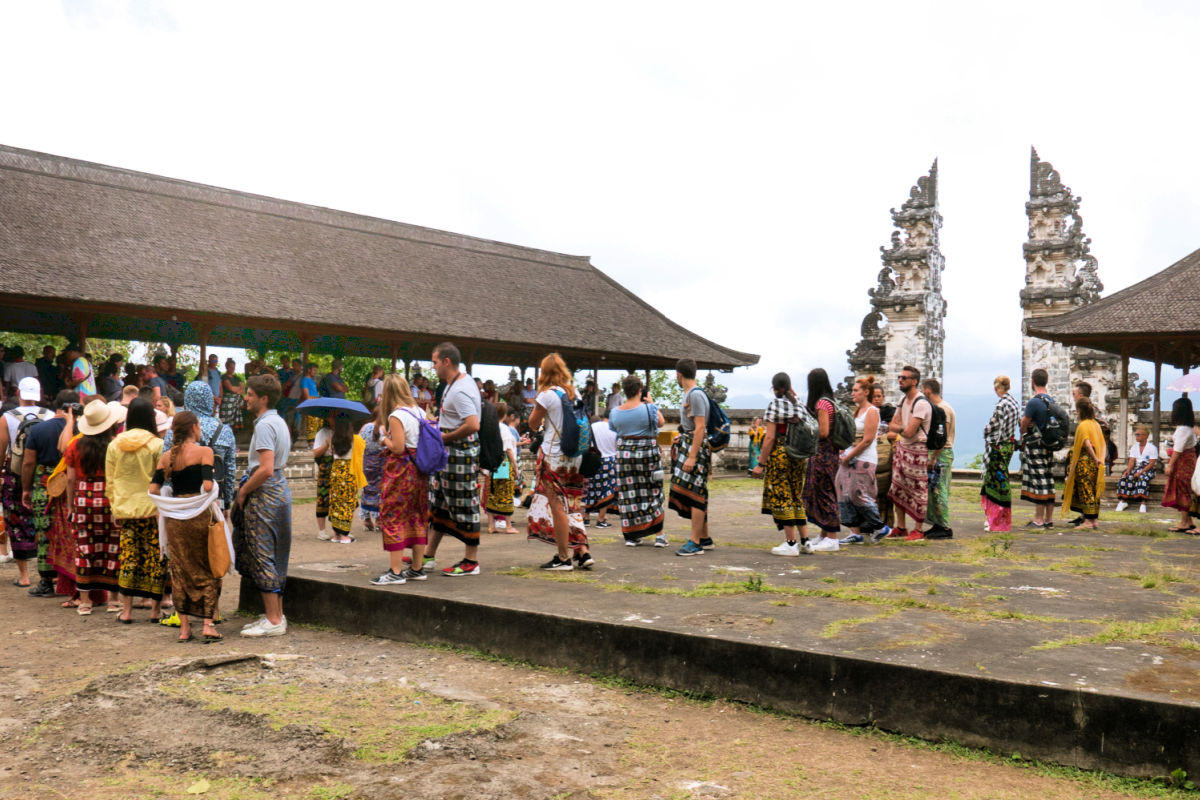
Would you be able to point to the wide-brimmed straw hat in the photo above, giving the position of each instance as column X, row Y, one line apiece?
column 99, row 416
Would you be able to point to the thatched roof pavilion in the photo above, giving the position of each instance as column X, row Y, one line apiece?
column 87, row 249
column 1157, row 319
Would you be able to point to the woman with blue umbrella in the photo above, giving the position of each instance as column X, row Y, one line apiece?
column 337, row 444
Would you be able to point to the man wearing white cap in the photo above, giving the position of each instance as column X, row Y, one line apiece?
column 18, row 519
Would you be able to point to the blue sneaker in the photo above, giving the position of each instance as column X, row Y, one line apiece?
column 881, row 534
column 689, row 548
column 854, row 538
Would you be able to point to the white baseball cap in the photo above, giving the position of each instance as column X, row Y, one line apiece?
column 29, row 389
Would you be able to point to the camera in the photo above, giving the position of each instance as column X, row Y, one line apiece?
column 76, row 409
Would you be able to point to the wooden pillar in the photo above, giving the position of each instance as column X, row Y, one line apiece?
column 1123, row 442
column 392, row 346
column 648, row 380
column 596, row 383
column 1157, row 418
column 306, row 341
column 81, row 330
column 407, row 369
column 471, row 360
column 205, row 332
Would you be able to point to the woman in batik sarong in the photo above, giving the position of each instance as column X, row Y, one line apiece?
column 404, row 491
column 187, row 467
column 820, row 493
column 600, row 490
column 856, row 483
column 999, row 442
column 97, row 539
column 783, row 476
column 638, row 465
column 339, row 444
column 555, row 518
column 1085, row 472
column 1134, row 484
column 233, row 403
column 755, row 435
column 1178, row 492
column 129, row 467
column 499, row 505
column 324, row 461
column 374, row 454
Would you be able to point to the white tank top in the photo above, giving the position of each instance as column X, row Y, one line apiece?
column 871, row 454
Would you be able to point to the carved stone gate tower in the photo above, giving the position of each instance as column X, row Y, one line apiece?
column 1061, row 275
column 907, row 308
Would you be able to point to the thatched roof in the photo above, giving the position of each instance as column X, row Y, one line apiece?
column 1162, row 312
column 159, row 259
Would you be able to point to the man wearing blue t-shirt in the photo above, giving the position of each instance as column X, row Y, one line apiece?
column 1037, row 480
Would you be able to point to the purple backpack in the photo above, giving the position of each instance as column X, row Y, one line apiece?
column 431, row 453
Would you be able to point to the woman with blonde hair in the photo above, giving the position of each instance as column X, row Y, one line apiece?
column 999, row 442
column 403, row 492
column 1085, row 472
column 558, row 479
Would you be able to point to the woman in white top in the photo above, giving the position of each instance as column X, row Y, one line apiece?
column 558, row 478
column 600, row 490
column 856, row 485
column 403, row 491
column 1134, row 483
column 337, row 442
column 1178, row 494
column 499, row 503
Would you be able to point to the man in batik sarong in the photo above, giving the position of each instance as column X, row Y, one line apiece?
column 691, row 461
column 1037, row 481
column 262, row 514
column 453, row 493
column 41, row 457
column 909, row 492
column 18, row 517
column 938, row 515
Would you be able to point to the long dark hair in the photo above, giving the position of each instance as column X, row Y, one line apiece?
column 1182, row 413
column 93, row 448
column 782, row 384
column 141, row 416
column 818, row 387
column 343, row 435
column 182, row 425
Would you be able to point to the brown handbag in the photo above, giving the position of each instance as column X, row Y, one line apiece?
column 56, row 485
column 218, row 548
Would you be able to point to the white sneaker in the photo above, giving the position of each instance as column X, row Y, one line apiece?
column 324, row 536
column 1121, row 506
column 266, row 628
column 501, row 525
column 1142, row 508
column 827, row 544
column 632, row 542
column 256, row 623
column 7, row 557
column 786, row 549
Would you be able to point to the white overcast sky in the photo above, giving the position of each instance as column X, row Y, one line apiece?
column 732, row 163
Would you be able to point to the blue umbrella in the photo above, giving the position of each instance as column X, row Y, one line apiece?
column 321, row 406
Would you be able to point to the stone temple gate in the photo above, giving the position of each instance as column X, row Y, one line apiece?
column 904, row 325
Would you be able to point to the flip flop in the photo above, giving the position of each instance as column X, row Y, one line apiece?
column 183, row 639
column 83, row 610
column 1178, row 530
column 113, row 609
column 71, row 604
column 17, row 582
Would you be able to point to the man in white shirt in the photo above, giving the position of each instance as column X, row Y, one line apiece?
column 18, row 518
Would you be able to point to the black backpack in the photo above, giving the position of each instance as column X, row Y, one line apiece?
column 218, row 462
column 935, row 432
column 491, row 446
column 1058, row 423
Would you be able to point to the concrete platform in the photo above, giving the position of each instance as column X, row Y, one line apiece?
column 1079, row 648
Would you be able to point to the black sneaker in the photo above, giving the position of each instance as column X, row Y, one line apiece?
column 584, row 560
column 43, row 589
column 558, row 565
column 1077, row 521
column 938, row 532
column 605, row 524
column 707, row 544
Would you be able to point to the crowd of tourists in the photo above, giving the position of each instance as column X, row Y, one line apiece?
column 129, row 502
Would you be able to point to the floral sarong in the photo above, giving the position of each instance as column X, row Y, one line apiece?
column 454, row 492
column 639, row 494
column 143, row 571
column 1084, row 498
column 500, row 497
column 403, row 504
column 1178, row 493
column 783, row 488
column 910, row 481
column 42, row 520
column 938, row 512
column 996, row 494
column 558, row 481
column 343, row 495
column 18, row 520
column 324, row 467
